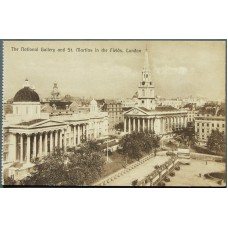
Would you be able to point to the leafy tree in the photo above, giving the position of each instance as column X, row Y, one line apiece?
column 186, row 136
column 82, row 167
column 119, row 126
column 217, row 142
column 137, row 143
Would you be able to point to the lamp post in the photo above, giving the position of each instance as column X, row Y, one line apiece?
column 107, row 149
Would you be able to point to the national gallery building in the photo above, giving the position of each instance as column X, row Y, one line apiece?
column 29, row 133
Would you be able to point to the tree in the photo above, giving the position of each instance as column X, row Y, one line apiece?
column 119, row 126
column 217, row 142
column 137, row 143
column 82, row 167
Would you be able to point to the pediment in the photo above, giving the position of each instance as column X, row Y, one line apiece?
column 49, row 123
column 136, row 111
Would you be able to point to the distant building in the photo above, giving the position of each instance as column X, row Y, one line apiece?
column 205, row 123
column 176, row 103
column 115, row 113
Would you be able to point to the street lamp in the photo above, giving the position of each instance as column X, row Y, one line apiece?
column 107, row 149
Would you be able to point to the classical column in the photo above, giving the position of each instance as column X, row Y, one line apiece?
column 51, row 142
column 125, row 123
column 95, row 129
column 22, row 149
column 148, row 125
column 161, row 125
column 138, row 124
column 152, row 124
column 56, row 137
column 78, row 134
column 61, row 139
column 34, row 146
column 87, row 131
column 129, row 125
column 28, row 149
column 74, row 135
column 40, row 147
column 164, row 129
column 133, row 124
column 64, row 139
column 45, row 143
column 143, row 124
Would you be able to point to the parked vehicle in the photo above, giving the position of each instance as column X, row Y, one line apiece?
column 172, row 174
column 167, row 179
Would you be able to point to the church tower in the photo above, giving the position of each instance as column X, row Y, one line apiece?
column 146, row 87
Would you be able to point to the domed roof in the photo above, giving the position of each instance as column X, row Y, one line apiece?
column 26, row 95
column 93, row 102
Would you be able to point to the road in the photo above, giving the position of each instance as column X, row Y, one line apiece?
column 140, row 171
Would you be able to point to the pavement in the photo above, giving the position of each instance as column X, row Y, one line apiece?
column 140, row 171
column 189, row 175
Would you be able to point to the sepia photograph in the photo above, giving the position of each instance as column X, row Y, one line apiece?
column 114, row 113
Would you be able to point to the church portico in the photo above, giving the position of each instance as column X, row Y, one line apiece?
column 139, row 119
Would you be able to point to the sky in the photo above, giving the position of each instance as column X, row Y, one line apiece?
column 179, row 68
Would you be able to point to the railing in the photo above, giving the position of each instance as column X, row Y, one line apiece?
column 121, row 172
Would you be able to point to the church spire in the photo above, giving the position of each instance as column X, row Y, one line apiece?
column 146, row 62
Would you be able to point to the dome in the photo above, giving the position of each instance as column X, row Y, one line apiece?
column 93, row 102
column 26, row 95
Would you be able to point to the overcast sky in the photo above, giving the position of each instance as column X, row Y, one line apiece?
column 179, row 68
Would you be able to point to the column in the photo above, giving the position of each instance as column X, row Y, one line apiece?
column 64, row 139
column 148, row 125
column 45, row 143
column 152, row 124
column 125, row 123
column 87, row 131
column 22, row 149
column 56, row 136
column 60, row 138
column 133, row 124
column 143, row 124
column 138, row 124
column 40, row 147
column 79, row 134
column 161, row 125
column 163, row 122
column 28, row 149
column 95, row 129
column 129, row 125
column 51, row 142
column 74, row 135
column 34, row 146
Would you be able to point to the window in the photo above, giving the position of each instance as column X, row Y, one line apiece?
column 212, row 125
column 197, row 124
column 202, row 124
column 203, row 130
column 208, row 124
column 223, row 125
column 217, row 125
column 142, row 101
